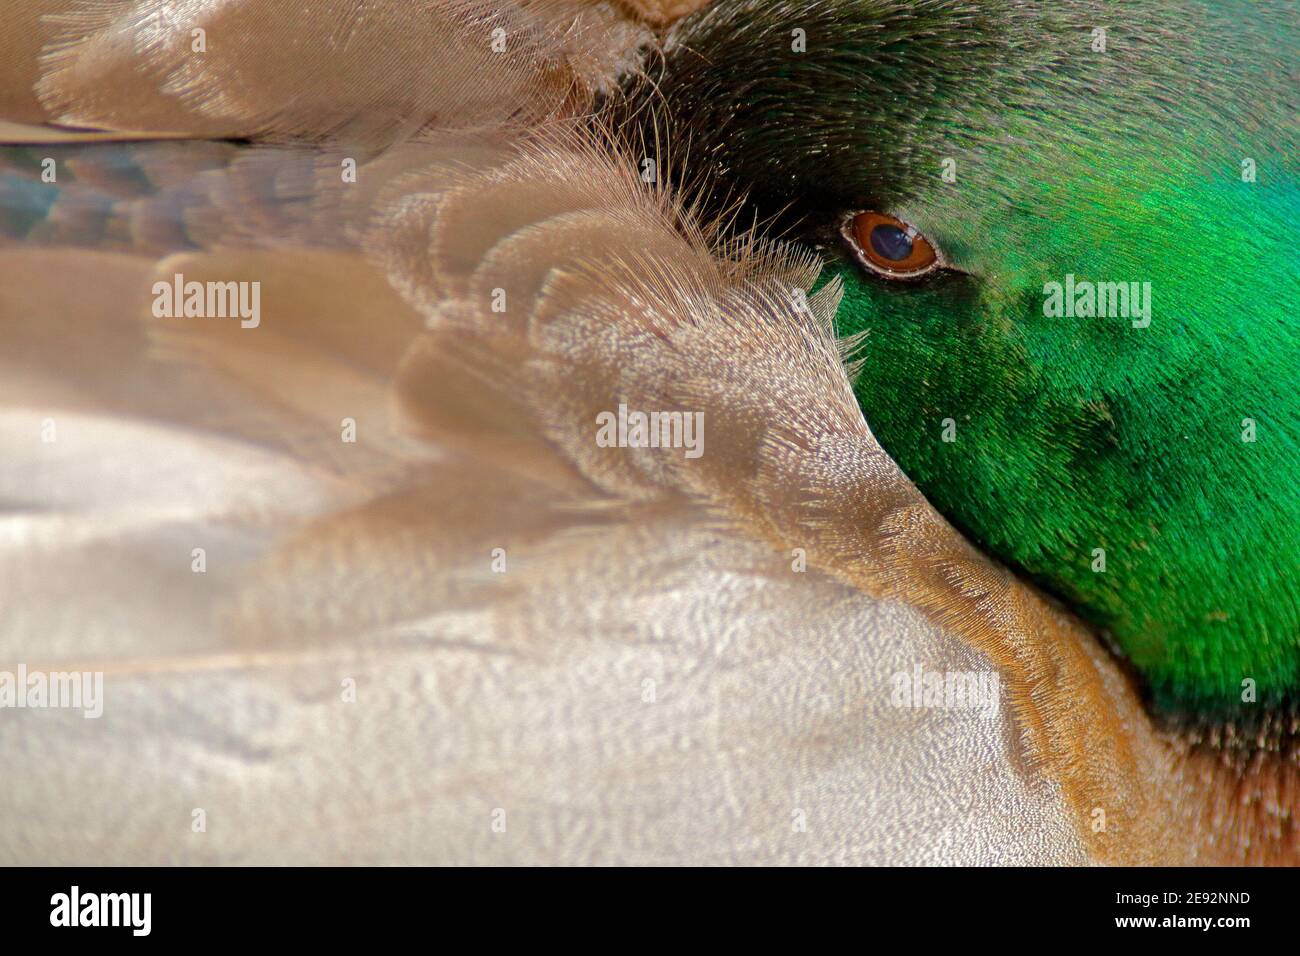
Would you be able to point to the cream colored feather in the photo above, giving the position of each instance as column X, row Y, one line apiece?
column 472, row 634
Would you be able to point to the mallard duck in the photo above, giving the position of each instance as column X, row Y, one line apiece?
column 365, row 584
column 1063, row 230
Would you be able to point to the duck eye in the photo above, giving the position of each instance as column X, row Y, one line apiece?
column 889, row 246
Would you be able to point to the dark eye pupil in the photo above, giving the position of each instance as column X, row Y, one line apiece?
column 890, row 243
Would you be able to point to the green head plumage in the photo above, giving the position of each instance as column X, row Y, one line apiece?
column 1137, row 456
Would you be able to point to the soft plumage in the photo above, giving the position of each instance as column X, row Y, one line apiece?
column 1169, row 450
column 652, row 677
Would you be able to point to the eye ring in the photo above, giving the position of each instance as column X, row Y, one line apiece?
column 888, row 246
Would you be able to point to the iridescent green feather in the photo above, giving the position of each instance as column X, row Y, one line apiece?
column 1070, row 436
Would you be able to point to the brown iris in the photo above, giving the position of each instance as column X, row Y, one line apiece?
column 889, row 246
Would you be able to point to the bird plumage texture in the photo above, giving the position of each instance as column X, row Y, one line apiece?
column 1142, row 468
column 653, row 678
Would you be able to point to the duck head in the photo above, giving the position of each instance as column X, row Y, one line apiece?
column 1068, row 231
